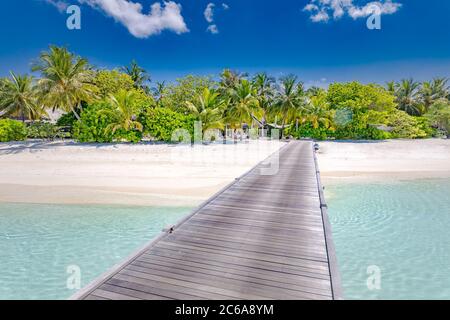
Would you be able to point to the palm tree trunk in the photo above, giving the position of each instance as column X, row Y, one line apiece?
column 76, row 114
column 241, row 131
column 225, row 135
column 282, row 125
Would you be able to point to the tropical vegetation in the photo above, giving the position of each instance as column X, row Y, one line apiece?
column 101, row 105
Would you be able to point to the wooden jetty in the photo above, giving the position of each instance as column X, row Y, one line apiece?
column 262, row 237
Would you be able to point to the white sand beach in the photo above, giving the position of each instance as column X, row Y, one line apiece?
column 123, row 174
column 168, row 175
column 384, row 160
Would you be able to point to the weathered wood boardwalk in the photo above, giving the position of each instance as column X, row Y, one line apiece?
column 262, row 237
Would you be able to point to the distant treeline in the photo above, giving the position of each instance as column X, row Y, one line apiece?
column 100, row 105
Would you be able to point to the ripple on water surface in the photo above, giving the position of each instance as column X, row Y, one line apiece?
column 38, row 242
column 402, row 228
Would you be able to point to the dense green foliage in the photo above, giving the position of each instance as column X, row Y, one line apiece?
column 358, row 106
column 110, row 82
column 307, row 130
column 119, row 104
column 161, row 123
column 44, row 130
column 93, row 124
column 12, row 130
column 67, row 120
column 189, row 88
column 439, row 116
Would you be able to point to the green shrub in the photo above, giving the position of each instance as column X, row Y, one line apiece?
column 161, row 123
column 439, row 116
column 110, row 81
column 12, row 130
column 364, row 106
column 424, row 124
column 92, row 127
column 44, row 130
column 360, row 98
column 67, row 120
column 308, row 131
column 133, row 136
column 355, row 133
column 405, row 126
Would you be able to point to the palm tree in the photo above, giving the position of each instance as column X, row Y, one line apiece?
column 18, row 97
column 317, row 112
column 244, row 106
column 229, row 80
column 124, row 112
column 66, row 81
column 408, row 96
column 264, row 93
column 138, row 74
column 433, row 91
column 427, row 94
column 288, row 102
column 440, row 88
column 314, row 91
column 391, row 87
column 159, row 91
column 208, row 109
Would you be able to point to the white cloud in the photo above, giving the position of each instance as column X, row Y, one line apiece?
column 209, row 16
column 321, row 10
column 311, row 7
column 320, row 16
column 166, row 16
column 213, row 29
column 58, row 4
column 209, row 12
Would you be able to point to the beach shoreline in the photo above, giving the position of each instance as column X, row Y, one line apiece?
column 383, row 161
column 123, row 174
column 171, row 175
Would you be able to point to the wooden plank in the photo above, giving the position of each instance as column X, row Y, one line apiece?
column 208, row 243
column 300, row 269
column 244, row 285
column 95, row 297
column 256, row 243
column 240, row 263
column 263, row 217
column 253, row 233
column 276, row 232
column 111, row 295
column 262, row 237
column 210, row 276
column 225, row 268
column 123, row 279
column 254, row 221
column 279, row 259
column 261, row 208
column 127, row 291
column 206, row 291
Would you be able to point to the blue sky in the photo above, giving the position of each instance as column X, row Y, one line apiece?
column 279, row 37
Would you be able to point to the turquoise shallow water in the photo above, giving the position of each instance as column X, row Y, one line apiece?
column 38, row 243
column 401, row 228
